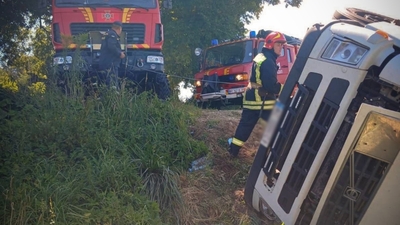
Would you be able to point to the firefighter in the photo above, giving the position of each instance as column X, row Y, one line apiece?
column 260, row 95
column 111, row 55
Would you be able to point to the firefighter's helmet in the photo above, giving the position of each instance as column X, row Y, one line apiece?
column 272, row 38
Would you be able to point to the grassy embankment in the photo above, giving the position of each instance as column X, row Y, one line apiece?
column 79, row 160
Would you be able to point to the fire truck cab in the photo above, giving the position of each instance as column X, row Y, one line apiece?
column 330, row 154
column 225, row 68
column 141, row 39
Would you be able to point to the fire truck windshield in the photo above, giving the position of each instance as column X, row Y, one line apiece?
column 229, row 54
column 147, row 4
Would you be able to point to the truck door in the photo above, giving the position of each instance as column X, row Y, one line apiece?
column 283, row 65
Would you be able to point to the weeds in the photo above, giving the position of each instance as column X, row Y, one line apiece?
column 76, row 159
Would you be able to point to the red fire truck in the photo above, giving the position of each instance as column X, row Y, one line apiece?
column 141, row 39
column 225, row 68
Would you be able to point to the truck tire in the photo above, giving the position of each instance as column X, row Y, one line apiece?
column 162, row 86
column 363, row 16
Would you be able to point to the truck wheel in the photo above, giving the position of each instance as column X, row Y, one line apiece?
column 363, row 16
column 162, row 87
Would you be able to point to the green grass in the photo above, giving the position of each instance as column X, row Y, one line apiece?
column 72, row 159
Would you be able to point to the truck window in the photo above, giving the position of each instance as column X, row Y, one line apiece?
column 125, row 3
column 289, row 55
column 260, row 46
column 229, row 54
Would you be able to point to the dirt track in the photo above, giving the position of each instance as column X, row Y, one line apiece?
column 215, row 195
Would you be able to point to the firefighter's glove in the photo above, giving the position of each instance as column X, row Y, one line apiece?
column 262, row 92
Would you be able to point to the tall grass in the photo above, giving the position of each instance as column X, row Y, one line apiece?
column 75, row 159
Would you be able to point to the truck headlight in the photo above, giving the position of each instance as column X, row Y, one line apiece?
column 345, row 52
column 266, row 210
column 241, row 77
column 155, row 59
column 62, row 60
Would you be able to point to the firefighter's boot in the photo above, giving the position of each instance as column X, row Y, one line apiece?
column 234, row 146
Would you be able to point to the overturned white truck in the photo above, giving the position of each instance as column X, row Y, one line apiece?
column 330, row 154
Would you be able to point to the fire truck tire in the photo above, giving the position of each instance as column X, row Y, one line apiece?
column 162, row 87
column 363, row 16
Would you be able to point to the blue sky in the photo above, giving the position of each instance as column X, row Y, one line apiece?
column 295, row 21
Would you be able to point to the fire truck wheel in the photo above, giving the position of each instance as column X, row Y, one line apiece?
column 162, row 87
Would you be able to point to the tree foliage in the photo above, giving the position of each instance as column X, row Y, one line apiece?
column 192, row 24
column 14, row 16
column 30, row 68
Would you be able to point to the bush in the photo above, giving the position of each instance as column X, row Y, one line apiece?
column 79, row 160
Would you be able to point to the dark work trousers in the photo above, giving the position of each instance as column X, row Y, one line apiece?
column 246, row 125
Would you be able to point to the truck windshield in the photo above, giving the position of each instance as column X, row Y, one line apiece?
column 229, row 54
column 147, row 4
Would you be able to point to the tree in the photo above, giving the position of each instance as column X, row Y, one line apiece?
column 195, row 23
column 31, row 66
column 16, row 15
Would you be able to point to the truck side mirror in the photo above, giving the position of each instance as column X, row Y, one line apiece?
column 198, row 51
column 167, row 4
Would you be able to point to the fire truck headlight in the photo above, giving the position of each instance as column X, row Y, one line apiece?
column 241, row 77
column 198, row 83
column 155, row 59
column 62, row 60
column 345, row 52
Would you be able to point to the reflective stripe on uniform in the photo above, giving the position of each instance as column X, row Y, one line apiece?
column 237, row 142
column 259, row 59
column 267, row 102
column 258, row 107
column 257, row 94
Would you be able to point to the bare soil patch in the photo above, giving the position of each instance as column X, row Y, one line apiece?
column 215, row 195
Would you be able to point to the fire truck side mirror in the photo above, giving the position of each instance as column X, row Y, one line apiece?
column 167, row 4
column 198, row 51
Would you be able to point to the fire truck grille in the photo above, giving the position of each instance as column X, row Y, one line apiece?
column 349, row 201
column 135, row 31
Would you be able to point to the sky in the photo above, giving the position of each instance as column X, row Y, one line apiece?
column 295, row 21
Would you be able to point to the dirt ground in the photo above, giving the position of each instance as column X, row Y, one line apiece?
column 215, row 195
